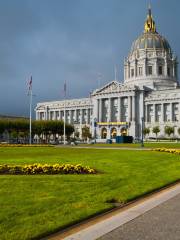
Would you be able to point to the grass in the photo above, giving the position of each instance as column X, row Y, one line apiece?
column 34, row 206
column 136, row 145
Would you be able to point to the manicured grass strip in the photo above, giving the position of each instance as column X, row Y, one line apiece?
column 34, row 206
column 135, row 145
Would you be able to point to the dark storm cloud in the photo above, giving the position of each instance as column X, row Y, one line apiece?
column 72, row 40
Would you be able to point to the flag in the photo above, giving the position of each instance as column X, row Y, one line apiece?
column 30, row 84
column 64, row 88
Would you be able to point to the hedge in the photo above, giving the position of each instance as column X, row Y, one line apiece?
column 24, row 145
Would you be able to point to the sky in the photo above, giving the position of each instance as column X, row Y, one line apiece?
column 77, row 41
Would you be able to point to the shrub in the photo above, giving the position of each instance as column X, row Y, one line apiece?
column 24, row 145
column 176, row 151
column 46, row 169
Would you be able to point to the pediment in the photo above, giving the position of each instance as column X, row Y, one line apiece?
column 114, row 86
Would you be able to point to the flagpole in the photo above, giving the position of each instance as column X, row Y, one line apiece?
column 30, row 111
column 64, row 113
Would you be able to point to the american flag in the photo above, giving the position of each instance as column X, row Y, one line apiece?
column 30, row 84
column 65, row 89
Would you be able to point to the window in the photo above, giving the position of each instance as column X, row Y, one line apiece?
column 160, row 70
column 168, row 71
column 132, row 72
column 140, row 72
column 149, row 70
column 149, row 113
column 157, row 112
column 175, row 112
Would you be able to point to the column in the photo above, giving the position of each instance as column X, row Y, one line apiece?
column 87, row 116
column 135, row 68
column 75, row 116
column 145, row 67
column 128, row 69
column 146, row 113
column 165, row 67
column 125, row 70
column 109, row 110
column 171, row 112
column 133, row 108
column 154, row 111
column 173, row 70
column 71, row 117
column 129, row 109
column 162, row 112
column 37, row 115
column 81, row 116
column 119, row 110
column 156, row 68
column 47, row 112
column 100, row 110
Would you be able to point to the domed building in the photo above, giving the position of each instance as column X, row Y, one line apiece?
column 149, row 96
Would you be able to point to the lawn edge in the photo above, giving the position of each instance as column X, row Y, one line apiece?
column 97, row 217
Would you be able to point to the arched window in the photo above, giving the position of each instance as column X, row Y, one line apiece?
column 113, row 132
column 104, row 133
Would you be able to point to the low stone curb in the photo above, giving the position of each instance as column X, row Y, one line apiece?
column 104, row 223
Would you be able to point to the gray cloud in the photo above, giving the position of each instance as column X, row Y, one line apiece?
column 70, row 40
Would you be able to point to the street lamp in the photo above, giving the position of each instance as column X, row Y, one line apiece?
column 95, row 124
column 142, row 132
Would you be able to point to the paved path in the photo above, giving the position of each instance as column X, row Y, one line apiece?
column 142, row 220
column 160, row 223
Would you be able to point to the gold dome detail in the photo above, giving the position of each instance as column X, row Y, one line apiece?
column 149, row 25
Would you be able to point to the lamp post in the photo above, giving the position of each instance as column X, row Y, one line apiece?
column 142, row 130
column 95, row 124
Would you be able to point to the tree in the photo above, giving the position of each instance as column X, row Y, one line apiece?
column 146, row 131
column 86, row 133
column 156, row 130
column 179, row 131
column 169, row 130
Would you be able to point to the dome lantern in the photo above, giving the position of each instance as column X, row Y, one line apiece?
column 149, row 25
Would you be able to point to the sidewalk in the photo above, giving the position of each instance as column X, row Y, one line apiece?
column 105, row 225
column 160, row 223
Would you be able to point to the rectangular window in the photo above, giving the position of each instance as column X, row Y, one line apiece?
column 149, row 113
column 140, row 72
column 149, row 70
column 167, row 112
column 175, row 112
column 168, row 71
column 132, row 72
column 160, row 70
column 157, row 112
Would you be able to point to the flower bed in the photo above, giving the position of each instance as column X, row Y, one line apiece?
column 46, row 169
column 176, row 151
column 24, row 145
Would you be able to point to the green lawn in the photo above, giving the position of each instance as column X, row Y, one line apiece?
column 136, row 145
column 33, row 206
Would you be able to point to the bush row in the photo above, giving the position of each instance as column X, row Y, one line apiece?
column 46, row 169
column 24, row 145
column 176, row 151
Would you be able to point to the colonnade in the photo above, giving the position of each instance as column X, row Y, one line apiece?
column 79, row 116
column 169, row 112
column 121, row 116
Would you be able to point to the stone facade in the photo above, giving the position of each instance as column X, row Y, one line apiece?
column 150, row 94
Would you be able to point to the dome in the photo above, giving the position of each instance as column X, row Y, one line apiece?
column 150, row 40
